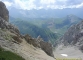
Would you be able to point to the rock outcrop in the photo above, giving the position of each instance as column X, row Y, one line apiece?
column 6, row 25
column 31, row 41
column 47, row 47
column 4, row 19
column 4, row 13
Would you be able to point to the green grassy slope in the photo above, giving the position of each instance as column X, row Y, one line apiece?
column 7, row 55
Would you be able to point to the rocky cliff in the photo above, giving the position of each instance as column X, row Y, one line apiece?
column 25, row 46
column 74, row 36
column 4, row 13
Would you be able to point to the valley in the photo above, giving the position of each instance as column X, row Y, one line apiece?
column 40, row 34
column 53, row 28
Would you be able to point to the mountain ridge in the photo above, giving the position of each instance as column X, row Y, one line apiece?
column 73, row 37
column 42, row 13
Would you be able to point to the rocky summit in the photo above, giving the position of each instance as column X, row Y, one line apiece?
column 4, row 13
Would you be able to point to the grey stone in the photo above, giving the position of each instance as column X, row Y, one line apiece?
column 47, row 47
column 4, row 13
column 74, row 36
column 6, row 25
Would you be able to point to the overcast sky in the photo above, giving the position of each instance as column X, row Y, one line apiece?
column 46, row 4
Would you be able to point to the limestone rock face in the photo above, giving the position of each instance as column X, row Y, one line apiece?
column 6, row 25
column 4, row 13
column 74, row 36
column 4, row 19
column 31, row 40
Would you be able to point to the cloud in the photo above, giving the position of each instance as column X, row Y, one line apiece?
column 24, row 4
column 79, row 5
column 59, row 4
column 47, row 1
column 8, row 3
column 74, row 2
column 43, row 4
column 65, row 6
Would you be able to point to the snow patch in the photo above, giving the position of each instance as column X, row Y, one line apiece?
column 65, row 55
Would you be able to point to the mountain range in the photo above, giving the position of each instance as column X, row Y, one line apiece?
column 42, row 13
column 52, row 27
